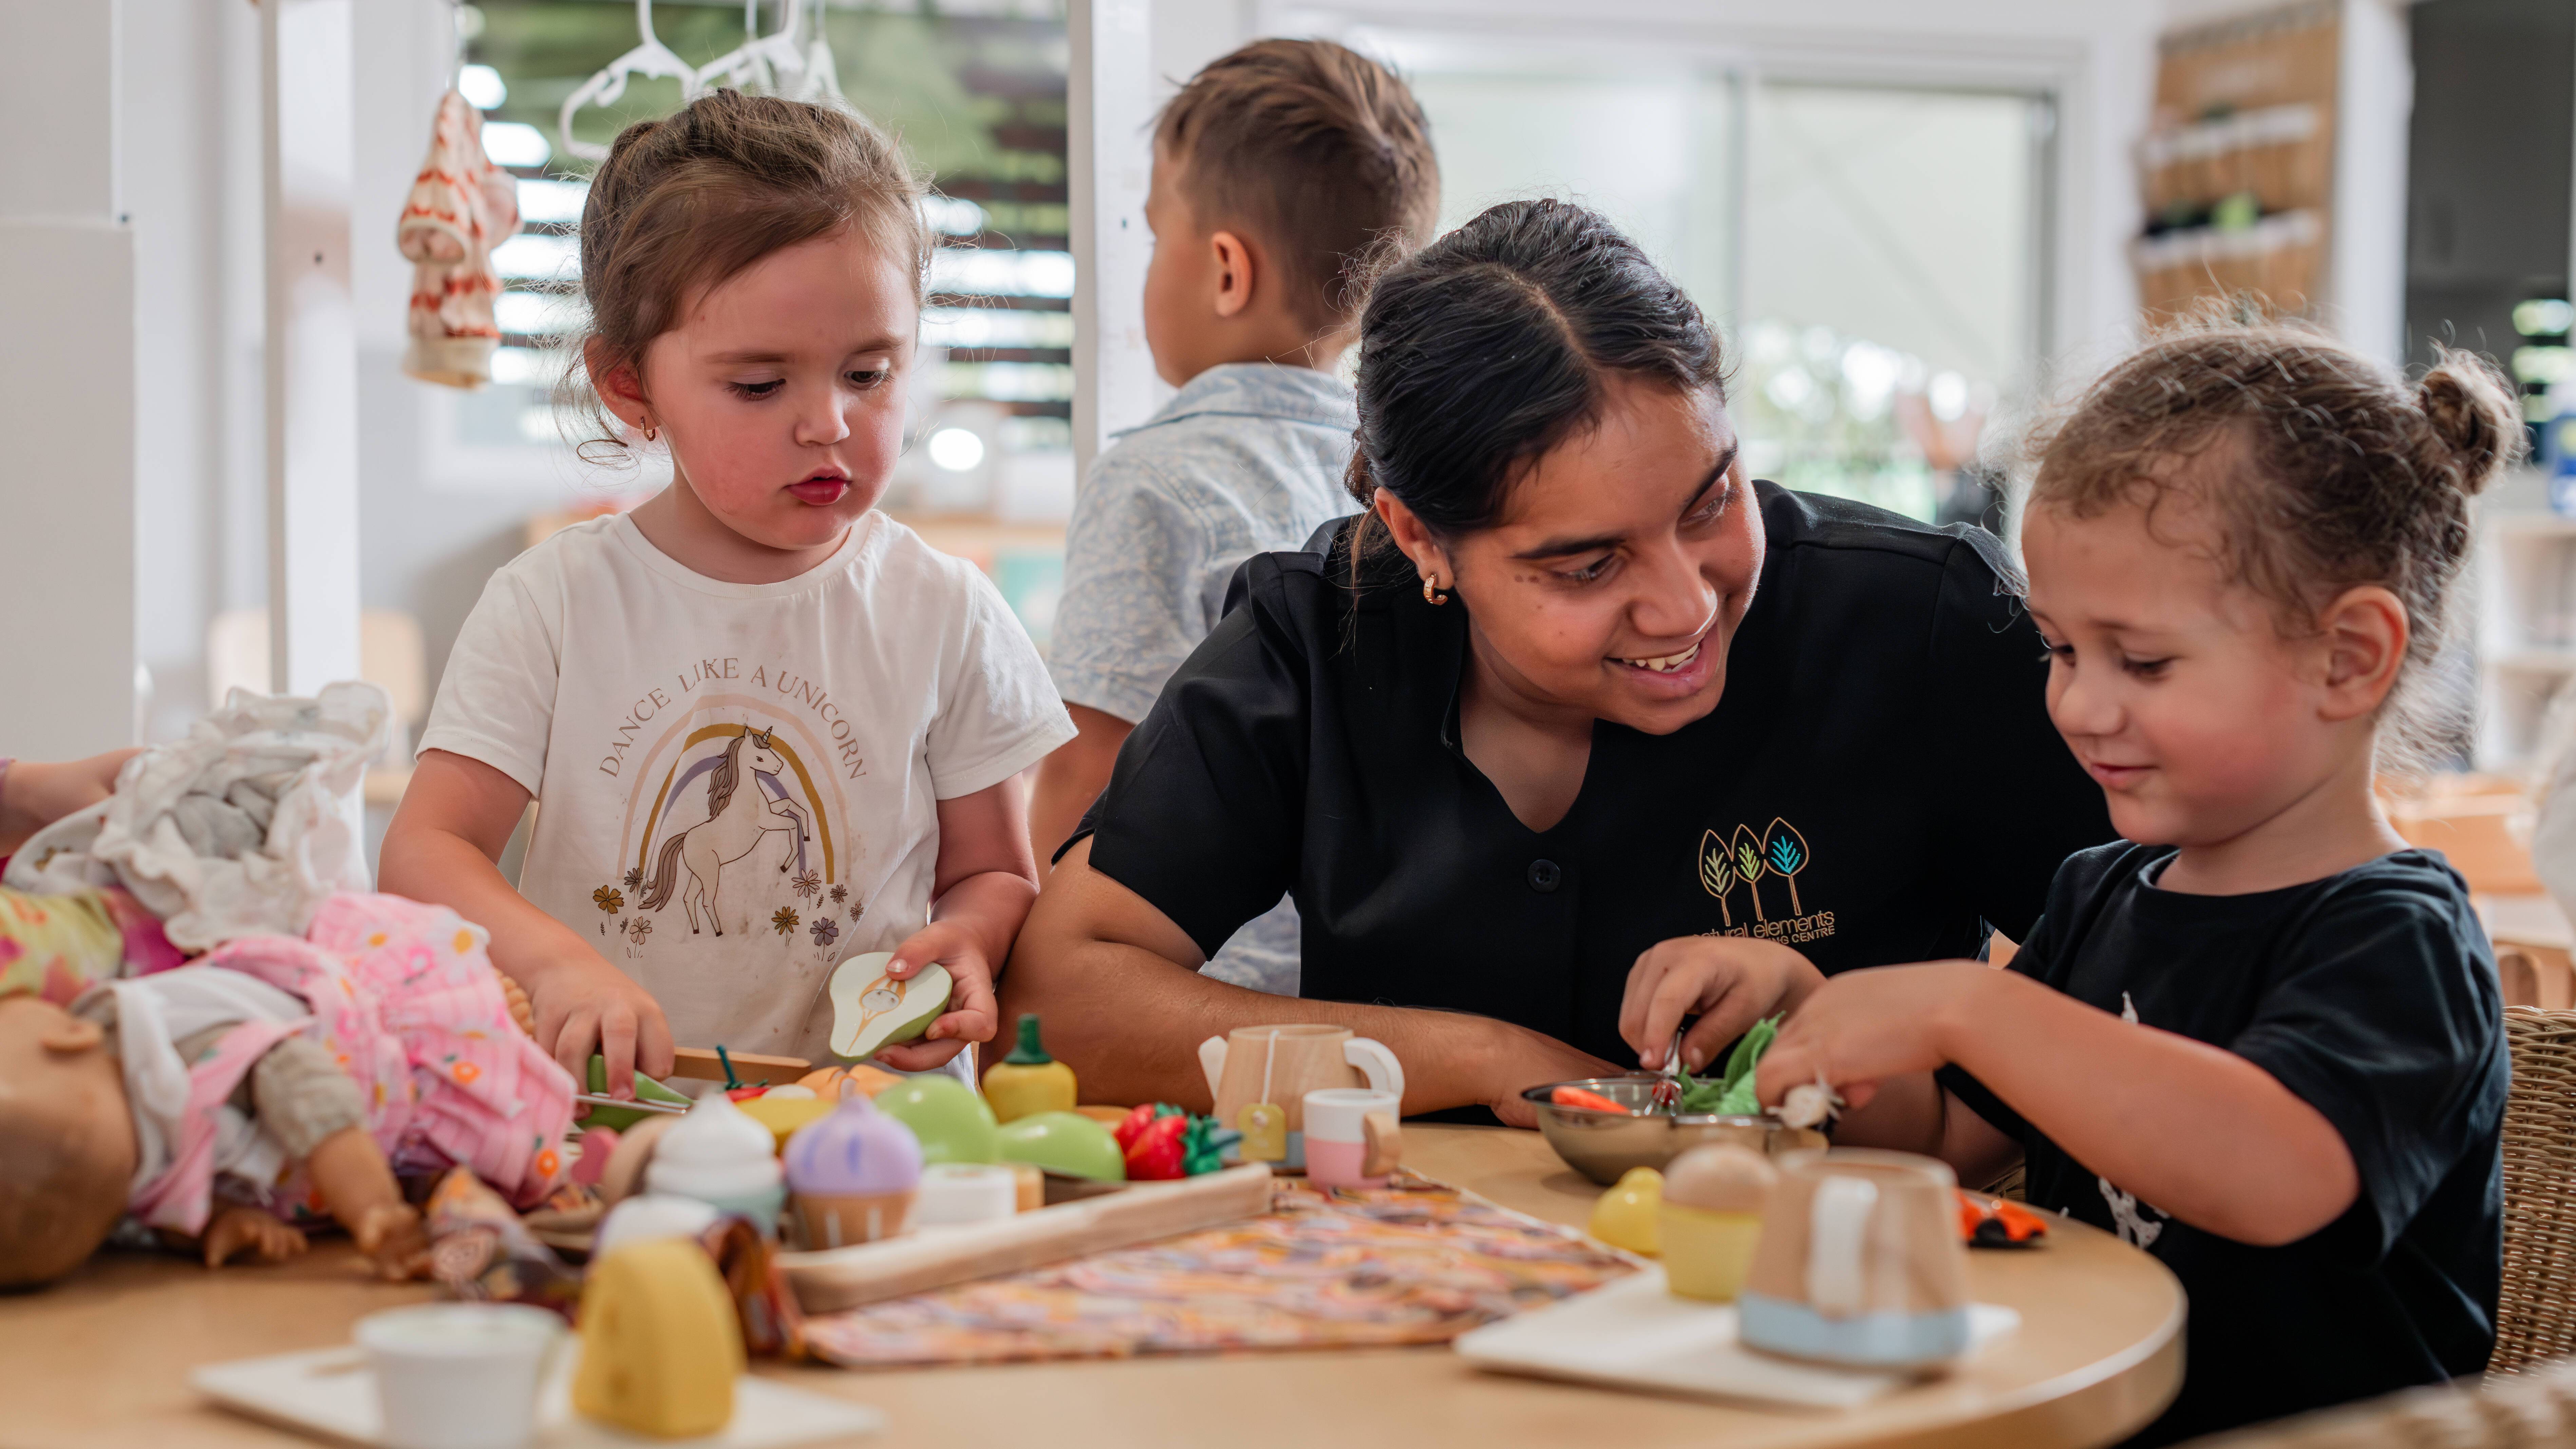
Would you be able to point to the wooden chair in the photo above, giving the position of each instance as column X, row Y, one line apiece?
column 2536, row 1312
column 2530, row 1410
column 2529, row 1395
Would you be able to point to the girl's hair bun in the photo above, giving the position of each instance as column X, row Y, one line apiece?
column 2473, row 416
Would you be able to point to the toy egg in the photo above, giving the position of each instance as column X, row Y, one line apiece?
column 1711, row 1219
column 1625, row 1216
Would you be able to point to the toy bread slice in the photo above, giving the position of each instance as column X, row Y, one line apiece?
column 871, row 1011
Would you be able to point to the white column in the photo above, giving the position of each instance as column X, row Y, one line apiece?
column 2374, row 101
column 312, row 357
column 1109, row 99
column 67, row 390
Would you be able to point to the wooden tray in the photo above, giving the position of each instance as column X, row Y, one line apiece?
column 838, row 1278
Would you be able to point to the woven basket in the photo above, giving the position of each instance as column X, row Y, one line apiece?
column 2533, row 1410
column 2536, row 1312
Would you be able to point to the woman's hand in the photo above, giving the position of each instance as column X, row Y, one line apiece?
column 1863, row 1027
column 1522, row 1059
column 1730, row 981
column 971, row 1015
column 584, row 1005
column 36, row 793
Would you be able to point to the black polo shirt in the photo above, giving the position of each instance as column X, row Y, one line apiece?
column 1879, row 783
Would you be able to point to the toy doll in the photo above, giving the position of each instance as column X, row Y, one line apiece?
column 277, row 1081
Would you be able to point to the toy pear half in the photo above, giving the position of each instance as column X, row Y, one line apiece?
column 871, row 1010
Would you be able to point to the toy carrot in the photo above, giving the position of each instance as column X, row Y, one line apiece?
column 1579, row 1097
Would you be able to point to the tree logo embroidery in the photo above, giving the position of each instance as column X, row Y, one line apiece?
column 1749, row 867
column 1716, row 872
column 1747, row 858
column 1784, row 850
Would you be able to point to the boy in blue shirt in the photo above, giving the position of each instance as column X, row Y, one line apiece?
column 1279, row 170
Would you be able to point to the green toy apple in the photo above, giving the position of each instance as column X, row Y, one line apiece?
column 1065, row 1142
column 948, row 1117
column 871, row 1010
column 618, row 1119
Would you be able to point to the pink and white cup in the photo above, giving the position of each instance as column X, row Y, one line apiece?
column 1352, row 1136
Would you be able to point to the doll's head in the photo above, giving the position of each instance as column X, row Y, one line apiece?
column 67, row 1149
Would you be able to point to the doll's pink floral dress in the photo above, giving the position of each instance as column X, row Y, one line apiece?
column 406, row 1000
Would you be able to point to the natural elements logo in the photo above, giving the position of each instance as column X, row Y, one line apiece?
column 1746, row 858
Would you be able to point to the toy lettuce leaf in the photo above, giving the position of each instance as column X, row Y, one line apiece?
column 1731, row 1093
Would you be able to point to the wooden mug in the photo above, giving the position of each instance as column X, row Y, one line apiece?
column 1279, row 1065
column 1860, row 1262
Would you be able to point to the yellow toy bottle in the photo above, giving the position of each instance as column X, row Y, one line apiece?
column 1028, row 1081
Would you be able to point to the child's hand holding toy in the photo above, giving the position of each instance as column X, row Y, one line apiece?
column 1864, row 1027
column 973, row 1015
column 584, row 1005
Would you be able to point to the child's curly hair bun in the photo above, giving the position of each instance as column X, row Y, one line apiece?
column 2477, row 429
column 2322, row 469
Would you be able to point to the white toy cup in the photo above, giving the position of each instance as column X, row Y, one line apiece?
column 1352, row 1139
column 460, row 1375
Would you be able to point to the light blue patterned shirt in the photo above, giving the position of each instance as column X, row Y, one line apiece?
column 1248, row 458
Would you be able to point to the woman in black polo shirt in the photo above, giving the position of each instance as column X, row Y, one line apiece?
column 1574, row 731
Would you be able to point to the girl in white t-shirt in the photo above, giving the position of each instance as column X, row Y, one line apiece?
column 768, row 727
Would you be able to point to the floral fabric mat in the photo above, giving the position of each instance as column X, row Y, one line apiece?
column 1415, row 1262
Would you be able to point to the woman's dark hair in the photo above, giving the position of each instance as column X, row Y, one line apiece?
column 1497, row 342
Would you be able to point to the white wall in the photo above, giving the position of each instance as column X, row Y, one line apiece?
column 68, row 385
column 187, row 76
column 429, row 539
column 192, row 175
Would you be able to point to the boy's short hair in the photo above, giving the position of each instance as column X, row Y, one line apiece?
column 1320, row 152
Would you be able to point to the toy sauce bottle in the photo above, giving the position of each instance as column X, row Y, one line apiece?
column 1028, row 1081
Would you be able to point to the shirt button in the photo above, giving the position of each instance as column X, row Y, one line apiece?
column 1543, row 875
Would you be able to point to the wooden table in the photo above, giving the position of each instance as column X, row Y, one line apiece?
column 101, row 1360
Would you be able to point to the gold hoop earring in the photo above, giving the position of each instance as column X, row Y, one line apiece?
column 1430, row 585
column 652, row 434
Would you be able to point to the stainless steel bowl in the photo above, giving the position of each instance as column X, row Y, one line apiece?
column 1601, row 1145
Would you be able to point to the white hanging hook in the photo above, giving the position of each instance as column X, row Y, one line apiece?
column 649, row 58
column 782, row 63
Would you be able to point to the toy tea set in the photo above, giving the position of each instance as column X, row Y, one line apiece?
column 870, row 1184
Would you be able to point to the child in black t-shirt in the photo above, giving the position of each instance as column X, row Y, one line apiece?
column 2264, row 1042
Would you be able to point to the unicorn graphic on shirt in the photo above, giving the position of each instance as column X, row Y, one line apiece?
column 2127, row 1213
column 738, row 820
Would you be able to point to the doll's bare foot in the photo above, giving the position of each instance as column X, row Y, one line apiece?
column 238, row 1227
column 392, row 1235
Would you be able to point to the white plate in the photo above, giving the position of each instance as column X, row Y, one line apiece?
column 331, row 1392
column 1635, row 1334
